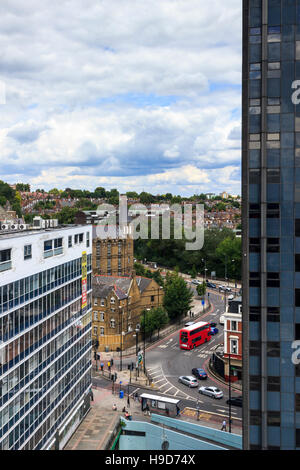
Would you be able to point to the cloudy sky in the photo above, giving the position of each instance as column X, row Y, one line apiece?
column 133, row 94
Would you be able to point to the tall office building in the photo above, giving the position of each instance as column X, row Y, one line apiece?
column 271, row 223
column 45, row 335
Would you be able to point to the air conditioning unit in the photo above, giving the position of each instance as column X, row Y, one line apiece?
column 5, row 227
column 23, row 227
column 53, row 222
column 37, row 222
column 14, row 227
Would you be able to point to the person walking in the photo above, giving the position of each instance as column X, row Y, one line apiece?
column 147, row 410
column 177, row 410
column 128, row 401
column 223, row 428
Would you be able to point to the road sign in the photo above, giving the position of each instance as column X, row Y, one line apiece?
column 203, row 301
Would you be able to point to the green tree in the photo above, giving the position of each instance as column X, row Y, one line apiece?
column 147, row 323
column 160, row 318
column 201, row 289
column 177, row 296
column 194, row 272
column 230, row 252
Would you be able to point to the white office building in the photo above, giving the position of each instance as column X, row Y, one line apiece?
column 45, row 335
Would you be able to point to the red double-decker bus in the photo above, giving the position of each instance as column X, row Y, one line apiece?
column 194, row 335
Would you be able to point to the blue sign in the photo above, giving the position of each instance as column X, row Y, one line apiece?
column 203, row 302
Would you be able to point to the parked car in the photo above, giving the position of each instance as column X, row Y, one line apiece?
column 213, row 392
column 195, row 281
column 235, row 401
column 199, row 373
column 211, row 285
column 222, row 288
column 212, row 323
column 221, row 320
column 230, row 297
column 213, row 331
column 188, row 380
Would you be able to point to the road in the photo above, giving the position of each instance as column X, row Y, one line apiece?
column 166, row 362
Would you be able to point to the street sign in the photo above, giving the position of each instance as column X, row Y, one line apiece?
column 203, row 301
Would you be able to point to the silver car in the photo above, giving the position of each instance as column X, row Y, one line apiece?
column 213, row 392
column 188, row 380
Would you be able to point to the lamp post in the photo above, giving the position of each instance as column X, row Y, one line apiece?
column 136, row 351
column 204, row 261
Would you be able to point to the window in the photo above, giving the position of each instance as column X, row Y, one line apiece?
column 254, row 280
column 95, row 315
column 273, row 418
column 112, row 323
column 112, row 300
column 273, row 384
column 254, row 211
column 233, row 346
column 254, row 348
column 254, row 245
column 101, row 316
column 273, row 280
column 273, row 211
column 69, row 241
column 273, row 349
column 273, row 314
column 27, row 251
column 102, row 302
column 273, row 245
column 152, row 298
column 101, row 331
column 95, row 301
column 254, row 313
column 233, row 325
column 95, row 330
column 255, row 382
column 255, row 417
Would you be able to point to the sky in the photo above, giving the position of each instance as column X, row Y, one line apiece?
column 138, row 95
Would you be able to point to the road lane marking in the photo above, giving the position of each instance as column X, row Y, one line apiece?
column 157, row 381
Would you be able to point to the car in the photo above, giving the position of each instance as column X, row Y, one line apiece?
column 235, row 401
column 189, row 323
column 195, row 281
column 213, row 331
column 213, row 392
column 211, row 285
column 231, row 297
column 222, row 288
column 228, row 289
column 188, row 380
column 221, row 320
column 199, row 373
column 212, row 323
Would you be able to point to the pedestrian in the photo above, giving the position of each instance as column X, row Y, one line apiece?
column 124, row 410
column 128, row 401
column 108, row 365
column 177, row 410
column 114, row 407
column 223, row 428
column 136, row 396
column 147, row 410
column 112, row 362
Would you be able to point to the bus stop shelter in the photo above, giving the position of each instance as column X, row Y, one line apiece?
column 162, row 405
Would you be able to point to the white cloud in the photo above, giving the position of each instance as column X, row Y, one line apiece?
column 122, row 90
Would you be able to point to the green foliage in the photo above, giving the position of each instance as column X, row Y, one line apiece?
column 227, row 251
column 156, row 275
column 177, row 296
column 193, row 272
column 171, row 253
column 66, row 215
column 22, row 187
column 152, row 320
column 201, row 289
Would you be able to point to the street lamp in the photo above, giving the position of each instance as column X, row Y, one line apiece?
column 137, row 350
column 144, row 357
column 204, row 261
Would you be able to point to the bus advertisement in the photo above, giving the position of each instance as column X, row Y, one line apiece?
column 194, row 335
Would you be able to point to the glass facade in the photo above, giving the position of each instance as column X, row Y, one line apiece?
column 45, row 355
column 271, row 213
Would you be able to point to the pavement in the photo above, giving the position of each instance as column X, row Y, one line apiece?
column 99, row 428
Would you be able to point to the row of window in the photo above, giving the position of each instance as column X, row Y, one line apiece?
column 46, row 422
column 18, row 292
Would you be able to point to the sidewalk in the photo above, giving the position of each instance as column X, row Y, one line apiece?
column 101, row 426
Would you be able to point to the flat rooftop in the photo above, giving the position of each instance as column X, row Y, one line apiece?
column 36, row 231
